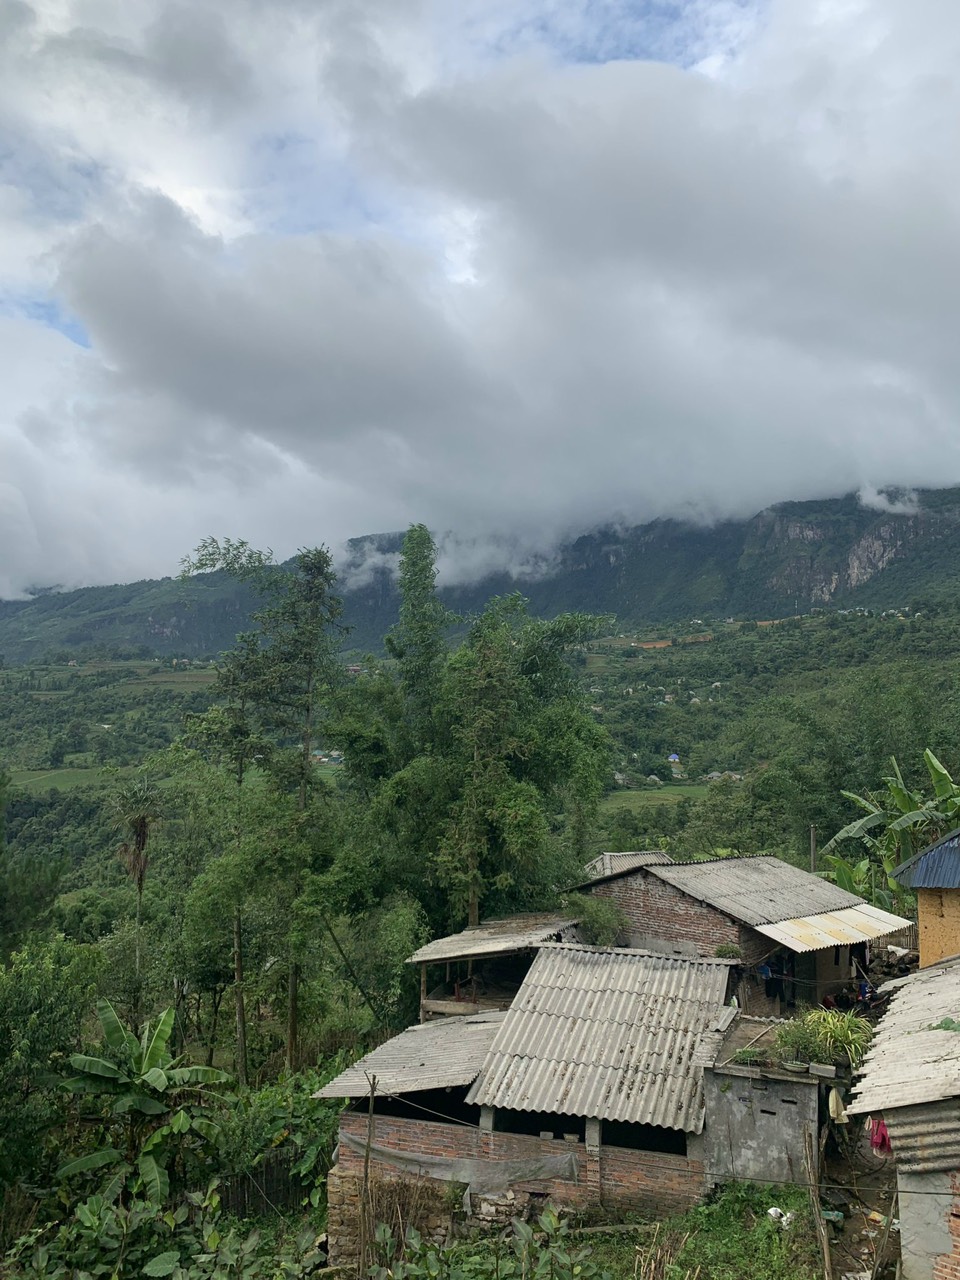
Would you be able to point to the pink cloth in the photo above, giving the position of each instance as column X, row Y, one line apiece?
column 879, row 1137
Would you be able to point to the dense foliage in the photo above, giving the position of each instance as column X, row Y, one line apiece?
column 237, row 894
column 230, row 860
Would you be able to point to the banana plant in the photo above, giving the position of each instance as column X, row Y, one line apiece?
column 894, row 824
column 154, row 1106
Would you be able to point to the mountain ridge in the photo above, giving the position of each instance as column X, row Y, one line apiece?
column 785, row 559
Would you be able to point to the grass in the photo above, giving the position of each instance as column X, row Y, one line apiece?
column 69, row 778
column 732, row 1238
column 66, row 779
column 634, row 800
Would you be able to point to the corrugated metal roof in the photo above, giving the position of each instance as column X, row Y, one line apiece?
column 434, row 1055
column 611, row 864
column 833, row 928
column 494, row 937
column 936, row 867
column 908, row 1062
column 757, row 891
column 926, row 1138
column 613, row 1034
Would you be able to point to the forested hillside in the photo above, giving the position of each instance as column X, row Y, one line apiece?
column 785, row 560
column 240, row 855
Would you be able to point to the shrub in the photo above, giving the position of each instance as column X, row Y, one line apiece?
column 601, row 921
column 841, row 1034
column 825, row 1035
column 797, row 1041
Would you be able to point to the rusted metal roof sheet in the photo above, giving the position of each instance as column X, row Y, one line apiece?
column 611, row 864
column 756, row 891
column 833, row 928
column 910, row 1063
column 936, row 867
column 609, row 1033
column 434, row 1055
column 926, row 1139
column 496, row 937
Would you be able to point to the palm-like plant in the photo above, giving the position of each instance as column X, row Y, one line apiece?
column 895, row 823
column 154, row 1103
column 136, row 808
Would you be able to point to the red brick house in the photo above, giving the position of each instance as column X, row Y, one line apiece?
column 589, row 1089
column 798, row 937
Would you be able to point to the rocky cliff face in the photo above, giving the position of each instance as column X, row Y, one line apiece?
column 784, row 559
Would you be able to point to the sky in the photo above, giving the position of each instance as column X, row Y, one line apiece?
column 294, row 272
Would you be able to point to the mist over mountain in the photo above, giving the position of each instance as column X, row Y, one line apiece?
column 786, row 559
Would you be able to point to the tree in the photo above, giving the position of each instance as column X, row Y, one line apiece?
column 281, row 686
column 46, row 992
column 28, row 882
column 523, row 741
column 419, row 640
column 152, row 1104
column 137, row 807
column 479, row 767
column 896, row 822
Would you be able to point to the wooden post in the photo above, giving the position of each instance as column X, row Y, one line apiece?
column 366, row 1233
column 878, row 1256
column 813, row 848
column 813, row 1182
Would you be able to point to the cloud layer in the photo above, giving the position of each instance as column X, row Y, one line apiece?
column 297, row 272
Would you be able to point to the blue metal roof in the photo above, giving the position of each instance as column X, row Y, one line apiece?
column 936, row 867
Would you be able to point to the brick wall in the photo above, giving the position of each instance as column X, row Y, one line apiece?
column 658, row 912
column 654, row 1182
column 434, row 1138
column 947, row 1265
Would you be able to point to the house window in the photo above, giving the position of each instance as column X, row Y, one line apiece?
column 537, row 1123
column 643, row 1137
column 425, row 1104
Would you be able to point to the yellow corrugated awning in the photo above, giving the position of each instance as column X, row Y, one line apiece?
column 833, row 928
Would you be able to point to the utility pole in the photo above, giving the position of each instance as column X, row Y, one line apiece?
column 813, row 848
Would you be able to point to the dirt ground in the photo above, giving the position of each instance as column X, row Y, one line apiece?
column 859, row 1184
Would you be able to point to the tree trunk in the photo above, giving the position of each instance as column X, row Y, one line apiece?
column 215, row 999
column 238, row 997
column 473, row 906
column 136, row 953
column 293, row 994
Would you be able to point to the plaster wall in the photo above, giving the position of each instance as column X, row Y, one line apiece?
column 754, row 1125
column 926, row 1245
column 938, row 916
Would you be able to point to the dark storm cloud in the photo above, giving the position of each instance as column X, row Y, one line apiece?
column 543, row 293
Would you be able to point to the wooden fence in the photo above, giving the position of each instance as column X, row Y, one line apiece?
column 908, row 938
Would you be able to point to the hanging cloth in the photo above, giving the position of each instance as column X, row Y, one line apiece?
column 835, row 1107
column 879, row 1137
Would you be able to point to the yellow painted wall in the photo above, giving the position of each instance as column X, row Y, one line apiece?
column 938, row 918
